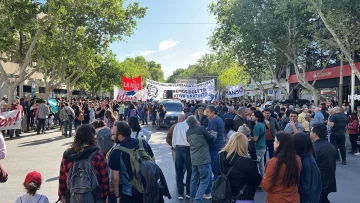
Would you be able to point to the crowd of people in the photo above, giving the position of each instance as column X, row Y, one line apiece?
column 284, row 150
column 288, row 151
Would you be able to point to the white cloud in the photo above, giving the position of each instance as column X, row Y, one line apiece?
column 146, row 52
column 167, row 44
column 198, row 54
column 169, row 55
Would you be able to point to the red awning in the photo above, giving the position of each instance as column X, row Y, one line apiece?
column 328, row 73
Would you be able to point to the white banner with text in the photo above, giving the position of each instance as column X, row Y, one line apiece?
column 234, row 91
column 201, row 91
column 10, row 120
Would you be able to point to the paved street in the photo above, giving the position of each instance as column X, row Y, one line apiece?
column 43, row 153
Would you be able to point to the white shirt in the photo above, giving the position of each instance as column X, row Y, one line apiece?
column 179, row 134
column 37, row 198
column 230, row 133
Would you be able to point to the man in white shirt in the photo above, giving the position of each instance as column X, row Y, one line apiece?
column 182, row 151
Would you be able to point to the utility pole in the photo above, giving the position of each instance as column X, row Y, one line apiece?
column 341, row 80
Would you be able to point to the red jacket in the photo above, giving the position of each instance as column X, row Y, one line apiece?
column 353, row 127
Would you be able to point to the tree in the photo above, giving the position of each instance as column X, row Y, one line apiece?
column 224, row 68
column 155, row 71
column 172, row 78
column 341, row 20
column 20, row 28
column 82, row 27
column 271, row 34
column 103, row 77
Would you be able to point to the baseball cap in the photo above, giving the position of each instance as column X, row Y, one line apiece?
column 33, row 176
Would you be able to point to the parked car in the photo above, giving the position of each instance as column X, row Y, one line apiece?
column 173, row 108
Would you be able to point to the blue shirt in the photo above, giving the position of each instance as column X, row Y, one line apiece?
column 319, row 117
column 228, row 116
column 217, row 124
column 120, row 161
column 260, row 132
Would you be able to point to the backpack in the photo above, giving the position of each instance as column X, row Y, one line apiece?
column 137, row 156
column 82, row 183
column 221, row 189
column 104, row 141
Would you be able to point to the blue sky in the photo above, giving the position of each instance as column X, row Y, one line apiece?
column 173, row 33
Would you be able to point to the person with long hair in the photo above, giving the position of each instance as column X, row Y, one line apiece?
column 353, row 129
column 32, row 184
column 109, row 119
column 259, row 135
column 310, row 177
column 243, row 175
column 86, row 112
column 282, row 172
column 83, row 146
column 137, row 130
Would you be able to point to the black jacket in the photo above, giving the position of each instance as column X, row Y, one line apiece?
column 326, row 161
column 204, row 121
column 244, row 172
column 154, row 190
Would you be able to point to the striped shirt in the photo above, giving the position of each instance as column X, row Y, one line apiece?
column 42, row 111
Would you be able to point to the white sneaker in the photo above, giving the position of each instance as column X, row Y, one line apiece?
column 181, row 197
column 207, row 196
column 187, row 196
column 357, row 154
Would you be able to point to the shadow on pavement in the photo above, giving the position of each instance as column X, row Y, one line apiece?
column 42, row 141
column 52, row 179
column 29, row 134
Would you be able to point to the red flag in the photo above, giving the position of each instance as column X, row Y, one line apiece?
column 129, row 84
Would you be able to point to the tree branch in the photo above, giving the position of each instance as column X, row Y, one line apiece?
column 4, row 74
column 324, row 66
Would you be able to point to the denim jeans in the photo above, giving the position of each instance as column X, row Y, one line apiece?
column 67, row 126
column 213, row 155
column 260, row 158
column 77, row 124
column 182, row 157
column 270, row 149
column 199, row 173
column 41, row 124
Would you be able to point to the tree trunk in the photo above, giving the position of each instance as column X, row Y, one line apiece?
column 341, row 80
column 69, row 92
column 277, row 81
column 315, row 94
column 11, row 93
column 47, row 91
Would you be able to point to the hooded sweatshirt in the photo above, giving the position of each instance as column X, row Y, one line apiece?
column 245, row 172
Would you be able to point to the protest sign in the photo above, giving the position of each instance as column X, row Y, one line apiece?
column 10, row 120
column 120, row 95
column 234, row 91
column 130, row 84
column 204, row 90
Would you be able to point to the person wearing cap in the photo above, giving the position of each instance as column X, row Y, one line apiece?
column 199, row 139
column 32, row 184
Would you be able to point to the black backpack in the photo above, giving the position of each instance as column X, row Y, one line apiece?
column 82, row 183
column 221, row 189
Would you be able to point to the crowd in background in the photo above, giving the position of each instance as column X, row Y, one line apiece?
column 286, row 150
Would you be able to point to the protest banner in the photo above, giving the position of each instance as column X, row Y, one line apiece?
column 234, row 91
column 130, row 84
column 10, row 120
column 204, row 90
column 120, row 95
